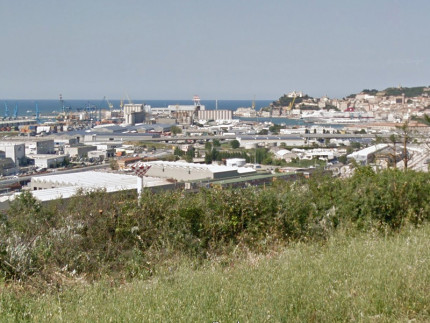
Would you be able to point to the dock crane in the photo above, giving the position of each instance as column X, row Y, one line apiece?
column 110, row 105
column 128, row 98
column 15, row 111
column 37, row 114
column 6, row 110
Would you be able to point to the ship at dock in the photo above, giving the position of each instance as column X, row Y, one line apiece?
column 322, row 116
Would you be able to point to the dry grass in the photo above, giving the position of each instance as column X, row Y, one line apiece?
column 366, row 278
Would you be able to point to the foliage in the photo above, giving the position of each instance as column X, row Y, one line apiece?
column 234, row 144
column 284, row 100
column 349, row 277
column 178, row 151
column 408, row 91
column 175, row 130
column 113, row 164
column 263, row 132
column 216, row 143
column 96, row 233
column 275, row 129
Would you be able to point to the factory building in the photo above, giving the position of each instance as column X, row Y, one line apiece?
column 214, row 115
column 45, row 146
column 48, row 160
column 251, row 141
column 182, row 171
column 366, row 155
column 14, row 151
column 134, row 113
column 7, row 167
column 79, row 151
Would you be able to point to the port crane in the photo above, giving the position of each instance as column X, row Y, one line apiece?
column 110, row 105
column 128, row 98
column 15, row 111
column 65, row 110
column 6, row 110
column 37, row 114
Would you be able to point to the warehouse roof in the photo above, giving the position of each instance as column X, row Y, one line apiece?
column 97, row 180
column 185, row 165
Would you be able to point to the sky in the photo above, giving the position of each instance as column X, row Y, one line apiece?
column 224, row 49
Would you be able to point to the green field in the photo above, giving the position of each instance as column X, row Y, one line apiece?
column 366, row 277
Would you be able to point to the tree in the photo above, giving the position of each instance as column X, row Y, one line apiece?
column 113, row 164
column 208, row 145
column 216, row 143
column 190, row 154
column 393, row 140
column 178, row 152
column 234, row 144
column 405, row 133
column 175, row 130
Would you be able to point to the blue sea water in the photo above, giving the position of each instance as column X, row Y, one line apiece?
column 53, row 107
column 50, row 107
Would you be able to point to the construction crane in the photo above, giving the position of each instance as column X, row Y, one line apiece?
column 291, row 105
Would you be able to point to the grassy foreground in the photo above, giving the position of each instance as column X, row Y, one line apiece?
column 351, row 277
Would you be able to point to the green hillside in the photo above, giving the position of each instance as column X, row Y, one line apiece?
column 323, row 249
column 408, row 91
column 360, row 277
column 397, row 91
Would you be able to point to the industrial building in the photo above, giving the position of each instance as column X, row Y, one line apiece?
column 247, row 141
column 44, row 146
column 48, row 160
column 63, row 186
column 366, row 155
column 79, row 151
column 182, row 171
column 14, row 151
column 7, row 167
column 91, row 180
column 18, row 149
column 214, row 115
column 134, row 113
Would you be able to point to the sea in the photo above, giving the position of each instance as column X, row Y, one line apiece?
column 27, row 108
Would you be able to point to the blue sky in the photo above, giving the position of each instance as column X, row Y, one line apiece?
column 225, row 49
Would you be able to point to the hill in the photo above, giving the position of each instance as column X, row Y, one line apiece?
column 364, row 277
column 322, row 249
column 409, row 92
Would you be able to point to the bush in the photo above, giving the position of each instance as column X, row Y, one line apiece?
column 97, row 233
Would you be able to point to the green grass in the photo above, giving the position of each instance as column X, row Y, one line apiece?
column 351, row 277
